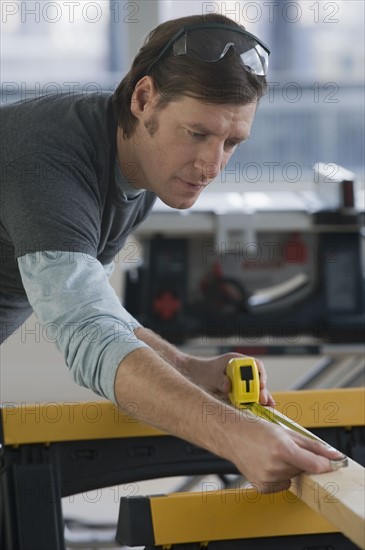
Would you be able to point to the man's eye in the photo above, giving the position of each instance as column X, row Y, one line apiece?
column 196, row 135
column 232, row 144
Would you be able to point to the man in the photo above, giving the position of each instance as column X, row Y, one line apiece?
column 80, row 173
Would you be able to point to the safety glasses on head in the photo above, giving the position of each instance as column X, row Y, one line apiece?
column 212, row 41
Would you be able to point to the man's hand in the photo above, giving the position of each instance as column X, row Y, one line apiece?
column 268, row 455
column 187, row 406
column 207, row 373
column 210, row 374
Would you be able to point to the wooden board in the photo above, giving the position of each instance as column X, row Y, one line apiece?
column 339, row 497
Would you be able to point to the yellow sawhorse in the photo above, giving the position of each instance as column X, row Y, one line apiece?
column 233, row 519
column 52, row 450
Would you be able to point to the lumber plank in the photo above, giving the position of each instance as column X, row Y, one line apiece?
column 337, row 496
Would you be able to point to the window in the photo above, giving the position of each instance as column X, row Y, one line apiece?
column 49, row 46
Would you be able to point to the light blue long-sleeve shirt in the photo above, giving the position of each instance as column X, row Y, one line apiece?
column 72, row 297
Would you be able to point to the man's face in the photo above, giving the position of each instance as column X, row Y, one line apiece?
column 178, row 151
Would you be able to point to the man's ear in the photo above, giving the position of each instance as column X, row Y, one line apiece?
column 144, row 97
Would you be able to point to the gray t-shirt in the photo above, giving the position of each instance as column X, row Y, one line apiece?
column 58, row 188
column 66, row 211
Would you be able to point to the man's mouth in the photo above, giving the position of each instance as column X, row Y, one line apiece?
column 196, row 185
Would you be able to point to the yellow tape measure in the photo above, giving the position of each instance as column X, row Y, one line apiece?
column 245, row 394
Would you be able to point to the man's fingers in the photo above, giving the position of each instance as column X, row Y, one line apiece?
column 226, row 385
column 318, row 447
column 263, row 376
column 316, row 457
column 275, row 486
column 266, row 398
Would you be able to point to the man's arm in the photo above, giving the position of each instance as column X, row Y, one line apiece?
column 267, row 455
column 72, row 298
column 78, row 306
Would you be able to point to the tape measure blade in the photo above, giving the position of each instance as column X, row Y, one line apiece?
column 286, row 422
column 259, row 410
column 278, row 418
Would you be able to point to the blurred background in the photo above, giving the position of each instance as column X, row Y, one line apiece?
column 315, row 106
column 313, row 111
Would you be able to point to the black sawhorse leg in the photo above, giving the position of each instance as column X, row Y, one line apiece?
column 30, row 501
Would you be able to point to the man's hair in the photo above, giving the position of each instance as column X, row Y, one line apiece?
column 224, row 81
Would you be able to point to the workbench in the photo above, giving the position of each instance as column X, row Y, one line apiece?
column 52, row 450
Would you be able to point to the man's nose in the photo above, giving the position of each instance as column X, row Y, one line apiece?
column 210, row 162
